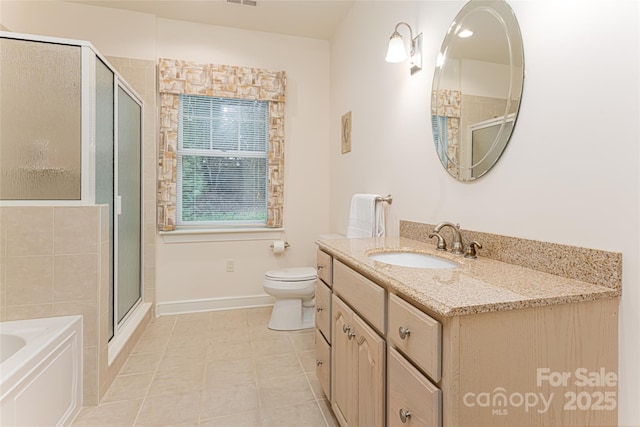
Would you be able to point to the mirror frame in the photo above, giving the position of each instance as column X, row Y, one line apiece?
column 444, row 101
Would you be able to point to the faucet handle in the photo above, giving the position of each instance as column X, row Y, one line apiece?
column 442, row 246
column 470, row 252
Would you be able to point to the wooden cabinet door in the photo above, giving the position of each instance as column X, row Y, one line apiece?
column 370, row 358
column 342, row 374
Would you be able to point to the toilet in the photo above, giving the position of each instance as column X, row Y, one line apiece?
column 293, row 290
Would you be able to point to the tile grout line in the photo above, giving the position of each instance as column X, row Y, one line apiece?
column 155, row 372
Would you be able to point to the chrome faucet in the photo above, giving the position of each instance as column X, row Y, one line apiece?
column 456, row 245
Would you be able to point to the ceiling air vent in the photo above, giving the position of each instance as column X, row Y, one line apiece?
column 244, row 2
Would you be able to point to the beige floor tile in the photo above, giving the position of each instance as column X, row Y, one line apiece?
column 228, row 350
column 222, row 368
column 184, row 359
column 246, row 419
column 177, row 381
column 316, row 388
column 199, row 339
column 108, row 415
column 230, row 372
column 235, row 334
column 149, row 344
column 269, row 346
column 259, row 316
column 228, row 319
column 262, row 332
column 308, row 360
column 277, row 365
column 304, row 341
column 202, row 317
column 305, row 414
column 285, row 391
column 141, row 362
column 228, row 399
column 128, row 387
column 198, row 352
column 193, row 327
column 175, row 409
column 158, row 330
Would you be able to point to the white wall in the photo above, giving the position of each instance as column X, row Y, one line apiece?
column 197, row 270
column 570, row 172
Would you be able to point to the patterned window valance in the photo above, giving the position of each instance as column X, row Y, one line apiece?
column 182, row 77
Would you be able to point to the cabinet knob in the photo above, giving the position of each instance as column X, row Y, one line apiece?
column 319, row 309
column 404, row 415
column 346, row 328
column 350, row 335
column 404, row 332
column 319, row 362
column 320, row 266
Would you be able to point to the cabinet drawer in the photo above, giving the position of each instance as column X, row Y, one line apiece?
column 325, row 267
column 323, row 364
column 410, row 394
column 422, row 336
column 323, row 310
column 362, row 294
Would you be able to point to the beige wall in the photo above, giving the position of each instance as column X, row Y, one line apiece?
column 569, row 174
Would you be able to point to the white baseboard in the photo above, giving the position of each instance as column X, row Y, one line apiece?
column 212, row 304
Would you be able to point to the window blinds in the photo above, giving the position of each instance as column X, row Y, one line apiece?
column 222, row 160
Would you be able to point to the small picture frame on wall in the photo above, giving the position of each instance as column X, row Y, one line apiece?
column 346, row 132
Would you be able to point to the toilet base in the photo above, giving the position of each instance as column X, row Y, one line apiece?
column 290, row 314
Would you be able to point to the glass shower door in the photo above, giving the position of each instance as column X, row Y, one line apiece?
column 128, row 204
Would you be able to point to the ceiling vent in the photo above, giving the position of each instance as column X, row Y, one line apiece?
column 244, row 2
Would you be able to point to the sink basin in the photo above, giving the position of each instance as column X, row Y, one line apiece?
column 412, row 259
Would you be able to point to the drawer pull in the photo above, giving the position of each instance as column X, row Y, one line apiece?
column 404, row 332
column 319, row 309
column 404, row 415
column 319, row 362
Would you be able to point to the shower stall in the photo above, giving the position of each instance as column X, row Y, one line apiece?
column 71, row 134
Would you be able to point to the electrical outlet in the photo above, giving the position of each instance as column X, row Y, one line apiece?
column 230, row 265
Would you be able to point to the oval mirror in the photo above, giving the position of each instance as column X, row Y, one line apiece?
column 477, row 88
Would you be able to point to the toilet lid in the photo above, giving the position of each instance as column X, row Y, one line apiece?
column 292, row 274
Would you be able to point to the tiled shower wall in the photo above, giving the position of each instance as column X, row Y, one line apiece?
column 54, row 261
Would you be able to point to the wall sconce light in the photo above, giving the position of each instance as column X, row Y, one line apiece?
column 397, row 53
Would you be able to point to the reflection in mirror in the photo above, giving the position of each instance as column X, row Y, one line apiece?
column 477, row 88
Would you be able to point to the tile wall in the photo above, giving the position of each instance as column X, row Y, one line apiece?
column 54, row 262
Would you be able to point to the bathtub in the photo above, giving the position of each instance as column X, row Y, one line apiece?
column 40, row 371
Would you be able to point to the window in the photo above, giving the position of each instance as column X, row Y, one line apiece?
column 237, row 88
column 222, row 170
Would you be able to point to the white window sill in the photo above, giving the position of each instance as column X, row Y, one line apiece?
column 220, row 235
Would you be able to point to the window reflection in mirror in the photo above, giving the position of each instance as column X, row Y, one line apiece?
column 477, row 88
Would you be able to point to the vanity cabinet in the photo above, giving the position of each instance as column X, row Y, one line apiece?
column 358, row 373
column 396, row 362
column 411, row 398
column 323, row 321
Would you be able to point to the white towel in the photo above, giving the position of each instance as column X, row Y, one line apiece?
column 366, row 218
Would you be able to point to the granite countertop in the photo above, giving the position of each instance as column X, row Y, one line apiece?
column 476, row 286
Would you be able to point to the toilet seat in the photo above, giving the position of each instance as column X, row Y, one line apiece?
column 296, row 274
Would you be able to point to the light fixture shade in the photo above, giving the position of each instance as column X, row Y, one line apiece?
column 396, row 52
